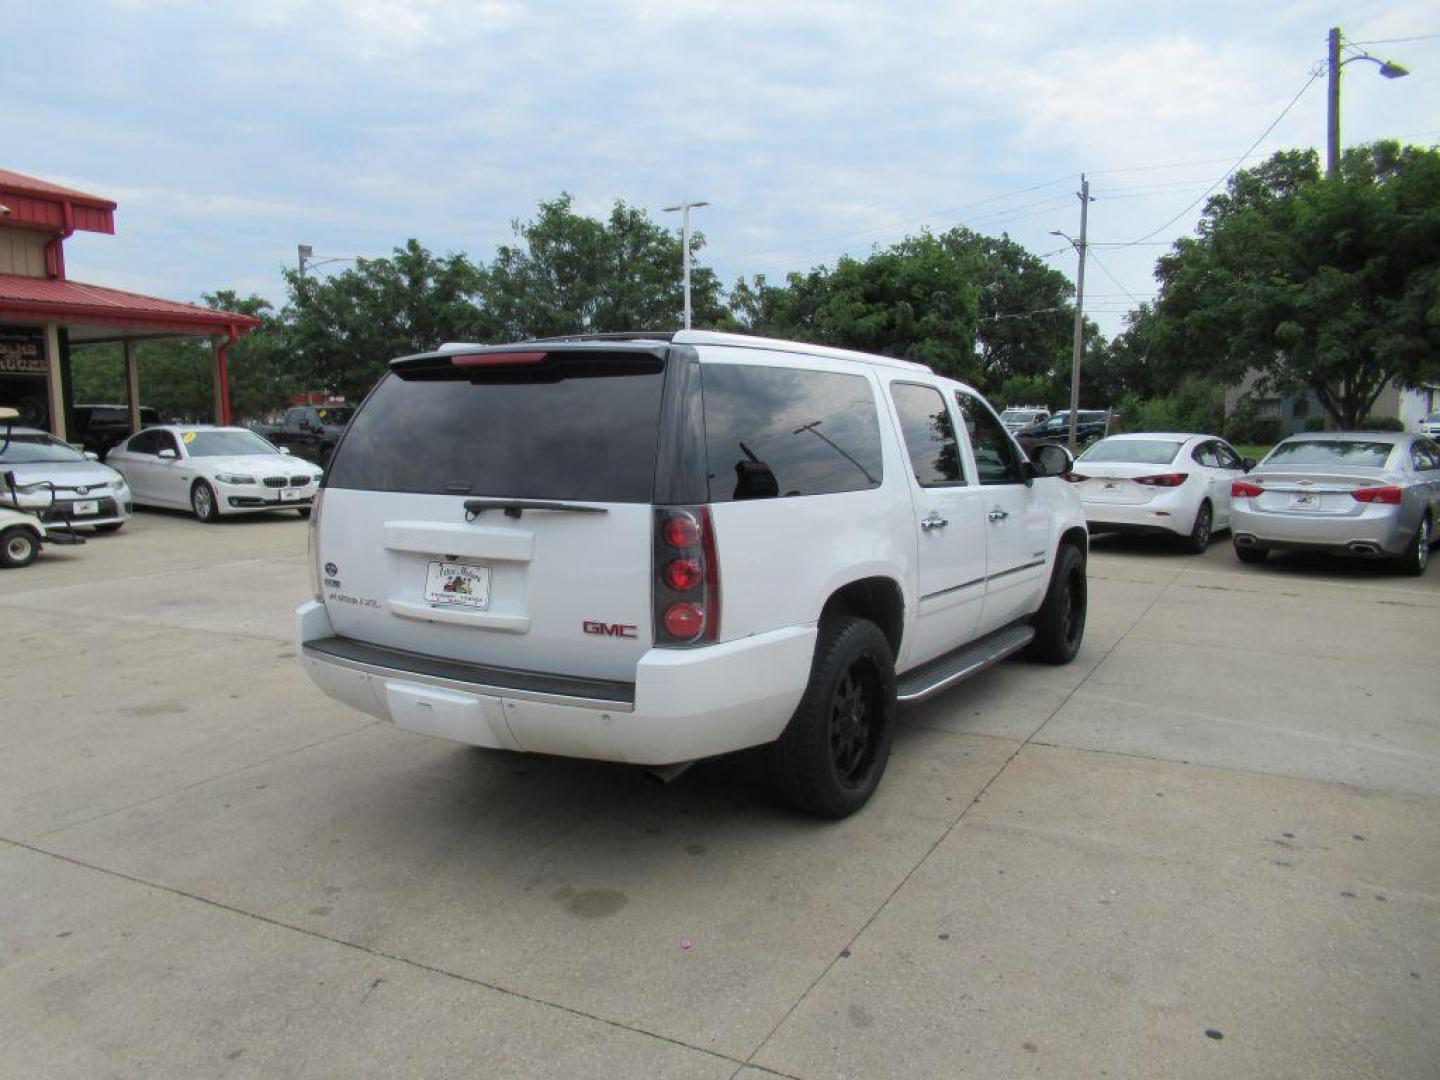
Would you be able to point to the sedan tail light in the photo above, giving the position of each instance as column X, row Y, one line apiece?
column 686, row 585
column 1244, row 489
column 1390, row 495
column 1173, row 479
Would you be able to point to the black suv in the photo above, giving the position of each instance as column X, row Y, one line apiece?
column 99, row 427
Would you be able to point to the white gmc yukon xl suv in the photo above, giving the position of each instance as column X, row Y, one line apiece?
column 659, row 548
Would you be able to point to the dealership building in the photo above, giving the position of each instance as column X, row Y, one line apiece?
column 45, row 315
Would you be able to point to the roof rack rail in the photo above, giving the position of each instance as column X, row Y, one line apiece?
column 622, row 335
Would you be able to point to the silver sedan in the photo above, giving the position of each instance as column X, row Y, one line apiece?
column 1369, row 494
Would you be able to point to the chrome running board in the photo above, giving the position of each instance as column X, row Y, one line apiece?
column 945, row 671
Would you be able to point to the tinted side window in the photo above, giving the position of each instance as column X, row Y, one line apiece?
column 1204, row 454
column 144, row 443
column 1425, row 456
column 581, row 426
column 786, row 431
column 997, row 460
column 929, row 434
column 1227, row 457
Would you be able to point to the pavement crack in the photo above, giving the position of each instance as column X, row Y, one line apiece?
column 960, row 817
column 379, row 954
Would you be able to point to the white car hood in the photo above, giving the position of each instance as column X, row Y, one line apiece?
column 256, row 465
column 65, row 474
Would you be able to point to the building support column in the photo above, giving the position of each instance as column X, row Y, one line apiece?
column 222, row 376
column 132, row 384
column 55, row 384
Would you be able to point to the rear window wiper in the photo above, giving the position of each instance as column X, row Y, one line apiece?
column 513, row 507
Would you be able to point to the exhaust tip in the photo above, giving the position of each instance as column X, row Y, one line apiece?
column 666, row 773
column 1244, row 540
column 1361, row 547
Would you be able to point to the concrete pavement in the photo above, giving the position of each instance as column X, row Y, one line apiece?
column 1220, row 819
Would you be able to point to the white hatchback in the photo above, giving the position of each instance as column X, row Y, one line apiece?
column 1161, row 483
column 214, row 471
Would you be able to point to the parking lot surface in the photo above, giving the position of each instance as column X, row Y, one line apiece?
column 1206, row 848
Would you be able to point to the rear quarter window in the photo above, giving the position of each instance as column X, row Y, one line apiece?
column 772, row 432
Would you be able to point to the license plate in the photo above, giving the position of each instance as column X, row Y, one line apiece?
column 290, row 495
column 462, row 584
column 84, row 507
column 1305, row 501
column 1111, row 485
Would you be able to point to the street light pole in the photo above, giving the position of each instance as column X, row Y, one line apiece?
column 1388, row 68
column 685, row 208
column 1080, row 248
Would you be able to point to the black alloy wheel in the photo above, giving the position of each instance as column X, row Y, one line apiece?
column 832, row 754
column 1060, row 622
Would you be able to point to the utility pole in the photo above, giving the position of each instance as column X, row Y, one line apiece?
column 1079, row 246
column 1332, row 125
column 1389, row 69
column 685, row 208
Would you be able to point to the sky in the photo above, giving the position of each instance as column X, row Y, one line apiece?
column 229, row 132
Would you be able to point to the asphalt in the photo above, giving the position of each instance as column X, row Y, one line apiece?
column 1208, row 848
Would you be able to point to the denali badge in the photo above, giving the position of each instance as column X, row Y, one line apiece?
column 603, row 629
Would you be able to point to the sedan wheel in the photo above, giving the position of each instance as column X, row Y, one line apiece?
column 1417, row 557
column 1199, row 538
column 202, row 501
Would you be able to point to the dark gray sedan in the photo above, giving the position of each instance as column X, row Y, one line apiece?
column 1370, row 494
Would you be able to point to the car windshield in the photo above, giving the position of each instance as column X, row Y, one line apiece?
column 335, row 414
column 31, row 449
column 224, row 443
column 1021, row 416
column 1365, row 455
column 1133, row 451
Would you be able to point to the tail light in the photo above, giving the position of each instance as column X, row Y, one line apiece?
column 1170, row 479
column 686, row 589
column 1244, row 489
column 1074, row 477
column 1388, row 495
column 312, row 545
column 499, row 359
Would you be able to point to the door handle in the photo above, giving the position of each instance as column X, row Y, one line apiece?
column 934, row 521
column 998, row 515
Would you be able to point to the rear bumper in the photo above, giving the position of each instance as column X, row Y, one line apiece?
column 1158, row 516
column 684, row 704
column 1373, row 534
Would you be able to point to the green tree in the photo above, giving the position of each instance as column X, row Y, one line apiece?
column 975, row 307
column 567, row 273
column 1330, row 283
column 345, row 328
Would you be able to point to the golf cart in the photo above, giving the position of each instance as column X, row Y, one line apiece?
column 22, row 533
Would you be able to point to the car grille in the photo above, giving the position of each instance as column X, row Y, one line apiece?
column 299, row 481
column 274, row 481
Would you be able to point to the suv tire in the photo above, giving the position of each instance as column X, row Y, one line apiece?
column 833, row 753
column 1060, row 622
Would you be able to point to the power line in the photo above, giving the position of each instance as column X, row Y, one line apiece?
column 1106, row 271
column 1263, row 135
column 1396, row 40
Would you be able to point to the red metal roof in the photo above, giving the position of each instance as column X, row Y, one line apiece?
column 33, row 201
column 31, row 185
column 74, row 302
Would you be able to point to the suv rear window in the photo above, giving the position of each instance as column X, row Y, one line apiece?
column 582, row 426
column 775, row 431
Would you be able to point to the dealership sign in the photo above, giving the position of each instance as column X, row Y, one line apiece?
column 22, row 352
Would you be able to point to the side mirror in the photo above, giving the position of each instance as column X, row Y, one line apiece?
column 283, row 449
column 1247, row 463
column 168, row 454
column 1052, row 459
column 91, row 455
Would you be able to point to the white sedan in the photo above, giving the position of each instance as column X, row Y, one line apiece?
column 1161, row 483
column 214, row 471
